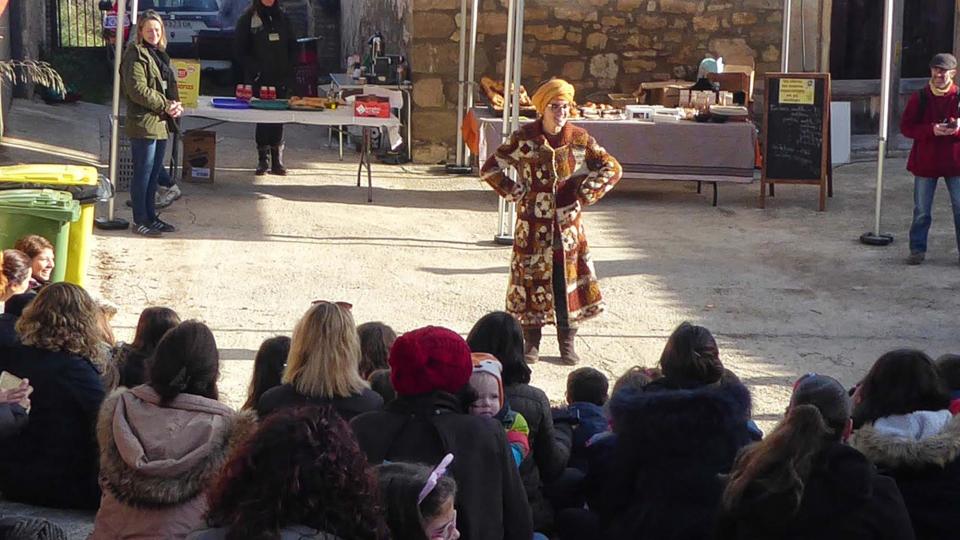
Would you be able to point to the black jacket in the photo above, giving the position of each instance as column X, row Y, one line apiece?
column 491, row 504
column 266, row 51
column 549, row 449
column 8, row 332
column 286, row 395
column 53, row 460
column 844, row 499
column 927, row 471
column 671, row 448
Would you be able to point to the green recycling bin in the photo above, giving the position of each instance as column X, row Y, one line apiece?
column 45, row 212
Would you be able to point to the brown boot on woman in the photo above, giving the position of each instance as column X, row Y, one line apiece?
column 531, row 344
column 565, row 337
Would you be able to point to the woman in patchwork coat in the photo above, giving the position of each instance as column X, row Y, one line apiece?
column 560, row 169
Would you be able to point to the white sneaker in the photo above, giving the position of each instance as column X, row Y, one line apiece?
column 166, row 196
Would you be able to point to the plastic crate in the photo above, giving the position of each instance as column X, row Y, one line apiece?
column 124, row 157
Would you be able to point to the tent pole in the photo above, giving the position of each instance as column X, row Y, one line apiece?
column 458, row 166
column 875, row 237
column 785, row 46
column 504, row 225
column 471, row 66
column 111, row 223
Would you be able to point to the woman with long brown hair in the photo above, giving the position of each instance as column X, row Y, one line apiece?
column 53, row 460
column 802, row 481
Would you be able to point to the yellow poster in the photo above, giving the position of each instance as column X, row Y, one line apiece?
column 188, row 80
column 797, row 91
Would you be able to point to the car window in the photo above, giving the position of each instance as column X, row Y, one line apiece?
column 180, row 5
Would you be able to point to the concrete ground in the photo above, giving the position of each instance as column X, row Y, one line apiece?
column 786, row 290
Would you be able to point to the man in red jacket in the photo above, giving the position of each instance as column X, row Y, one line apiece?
column 930, row 119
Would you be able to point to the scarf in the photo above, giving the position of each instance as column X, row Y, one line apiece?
column 939, row 92
column 264, row 13
column 172, row 93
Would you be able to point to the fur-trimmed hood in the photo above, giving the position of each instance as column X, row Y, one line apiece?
column 158, row 456
column 890, row 448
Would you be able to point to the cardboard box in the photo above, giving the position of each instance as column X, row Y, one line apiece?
column 188, row 80
column 620, row 101
column 371, row 106
column 199, row 156
column 734, row 82
column 665, row 93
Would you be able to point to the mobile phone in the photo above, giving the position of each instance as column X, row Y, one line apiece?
column 9, row 381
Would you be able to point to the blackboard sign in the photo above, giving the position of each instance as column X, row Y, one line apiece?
column 796, row 125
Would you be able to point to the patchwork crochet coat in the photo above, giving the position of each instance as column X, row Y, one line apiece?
column 551, row 188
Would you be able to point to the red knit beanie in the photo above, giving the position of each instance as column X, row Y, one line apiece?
column 428, row 359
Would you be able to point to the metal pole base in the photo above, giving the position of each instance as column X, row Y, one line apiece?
column 876, row 239
column 453, row 168
column 503, row 240
column 115, row 224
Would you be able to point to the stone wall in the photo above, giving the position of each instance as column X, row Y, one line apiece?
column 599, row 45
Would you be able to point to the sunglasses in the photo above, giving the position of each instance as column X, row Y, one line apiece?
column 344, row 305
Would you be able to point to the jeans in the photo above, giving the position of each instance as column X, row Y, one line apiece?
column 147, row 164
column 923, row 191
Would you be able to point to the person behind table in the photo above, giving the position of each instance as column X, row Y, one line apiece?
column 147, row 77
column 552, row 279
column 419, row 500
column 930, row 119
column 16, row 271
column 949, row 367
column 265, row 43
column 487, row 399
column 40, row 251
column 803, row 481
column 268, row 368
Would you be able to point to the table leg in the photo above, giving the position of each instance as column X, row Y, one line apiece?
column 772, row 192
column 408, row 101
column 365, row 153
column 699, row 187
column 340, row 134
column 714, row 193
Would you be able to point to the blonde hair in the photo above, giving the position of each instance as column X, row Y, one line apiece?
column 152, row 15
column 324, row 354
column 62, row 317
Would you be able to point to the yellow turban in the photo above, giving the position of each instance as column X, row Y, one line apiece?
column 551, row 90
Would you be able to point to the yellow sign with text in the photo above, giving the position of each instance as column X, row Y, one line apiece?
column 188, row 80
column 797, row 91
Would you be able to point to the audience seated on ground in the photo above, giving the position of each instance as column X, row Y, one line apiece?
column 419, row 500
column 104, row 362
column 162, row 443
column 903, row 425
column 380, row 383
column 802, row 481
column 53, row 460
column 300, row 476
column 586, row 396
column 376, row 339
column 131, row 358
column 12, row 309
column 485, row 398
column 429, row 367
column 16, row 274
column 40, row 252
column 268, row 367
column 322, row 368
column 498, row 333
column 949, row 367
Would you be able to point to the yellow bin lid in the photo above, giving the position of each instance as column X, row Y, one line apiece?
column 49, row 175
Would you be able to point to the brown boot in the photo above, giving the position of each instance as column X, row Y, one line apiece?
column 565, row 339
column 531, row 344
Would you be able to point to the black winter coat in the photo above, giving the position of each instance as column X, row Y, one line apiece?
column 53, row 460
column 549, row 449
column 927, row 471
column 491, row 504
column 286, row 395
column 844, row 499
column 671, row 448
column 267, row 50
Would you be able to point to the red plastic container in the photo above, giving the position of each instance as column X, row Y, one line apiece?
column 371, row 106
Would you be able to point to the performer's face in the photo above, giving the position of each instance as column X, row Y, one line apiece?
column 556, row 115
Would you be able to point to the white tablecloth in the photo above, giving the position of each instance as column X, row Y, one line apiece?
column 342, row 116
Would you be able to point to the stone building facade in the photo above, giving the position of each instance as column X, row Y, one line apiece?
column 600, row 46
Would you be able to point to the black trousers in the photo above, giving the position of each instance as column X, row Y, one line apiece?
column 269, row 134
column 560, row 295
